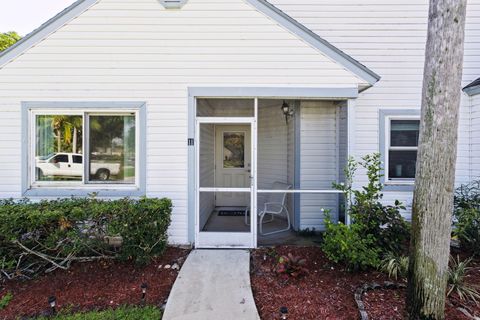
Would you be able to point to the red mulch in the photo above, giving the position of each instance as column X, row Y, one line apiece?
column 93, row 286
column 327, row 292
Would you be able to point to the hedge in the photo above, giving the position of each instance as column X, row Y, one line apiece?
column 46, row 235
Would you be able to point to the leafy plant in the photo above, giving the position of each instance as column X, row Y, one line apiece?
column 456, row 280
column 384, row 223
column 8, row 39
column 346, row 244
column 396, row 267
column 5, row 300
column 467, row 217
column 292, row 266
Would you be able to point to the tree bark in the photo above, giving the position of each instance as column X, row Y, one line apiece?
column 436, row 160
column 74, row 140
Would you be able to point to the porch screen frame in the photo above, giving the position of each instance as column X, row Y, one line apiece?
column 253, row 175
column 340, row 94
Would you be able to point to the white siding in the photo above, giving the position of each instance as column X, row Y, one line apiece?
column 319, row 165
column 475, row 138
column 272, row 145
column 388, row 37
column 275, row 151
column 137, row 51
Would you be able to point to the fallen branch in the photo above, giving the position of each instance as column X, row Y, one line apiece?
column 64, row 263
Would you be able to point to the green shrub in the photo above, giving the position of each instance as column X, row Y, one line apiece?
column 347, row 245
column 467, row 229
column 384, row 222
column 37, row 236
column 376, row 229
column 467, row 217
column 144, row 233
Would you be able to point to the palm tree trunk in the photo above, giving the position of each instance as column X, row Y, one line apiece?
column 437, row 153
column 59, row 141
column 74, row 140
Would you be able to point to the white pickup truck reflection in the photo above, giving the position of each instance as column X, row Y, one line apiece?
column 71, row 165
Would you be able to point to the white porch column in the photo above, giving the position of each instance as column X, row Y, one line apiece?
column 351, row 138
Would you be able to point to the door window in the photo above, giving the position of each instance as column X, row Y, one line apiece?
column 234, row 150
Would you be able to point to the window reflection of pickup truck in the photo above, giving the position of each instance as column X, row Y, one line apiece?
column 71, row 165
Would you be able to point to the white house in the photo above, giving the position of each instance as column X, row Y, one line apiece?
column 211, row 102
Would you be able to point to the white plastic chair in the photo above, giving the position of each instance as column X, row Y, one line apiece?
column 274, row 206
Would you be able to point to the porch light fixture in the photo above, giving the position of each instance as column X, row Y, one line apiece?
column 52, row 301
column 173, row 4
column 283, row 313
column 287, row 110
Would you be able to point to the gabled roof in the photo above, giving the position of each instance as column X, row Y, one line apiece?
column 49, row 27
column 263, row 6
column 473, row 88
column 315, row 40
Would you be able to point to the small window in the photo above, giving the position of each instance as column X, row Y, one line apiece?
column 402, row 149
column 59, row 148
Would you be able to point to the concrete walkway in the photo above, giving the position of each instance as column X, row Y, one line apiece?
column 213, row 285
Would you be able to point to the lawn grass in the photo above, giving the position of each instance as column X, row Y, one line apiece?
column 122, row 313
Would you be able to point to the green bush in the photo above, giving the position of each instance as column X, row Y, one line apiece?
column 376, row 229
column 347, row 245
column 37, row 236
column 467, row 217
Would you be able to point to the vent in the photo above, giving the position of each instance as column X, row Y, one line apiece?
column 173, row 4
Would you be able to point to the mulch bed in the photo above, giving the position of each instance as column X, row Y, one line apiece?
column 327, row 292
column 94, row 286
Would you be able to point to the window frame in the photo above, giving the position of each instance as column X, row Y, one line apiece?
column 386, row 118
column 389, row 148
column 83, row 187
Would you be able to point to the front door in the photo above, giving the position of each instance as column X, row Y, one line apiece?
column 232, row 163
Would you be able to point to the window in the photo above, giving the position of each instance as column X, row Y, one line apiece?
column 402, row 149
column 234, row 150
column 88, row 148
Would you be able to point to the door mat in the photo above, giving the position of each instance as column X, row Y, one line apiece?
column 232, row 213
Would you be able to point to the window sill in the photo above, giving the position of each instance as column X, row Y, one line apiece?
column 399, row 186
column 81, row 191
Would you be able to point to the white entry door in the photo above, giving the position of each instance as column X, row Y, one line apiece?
column 232, row 163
